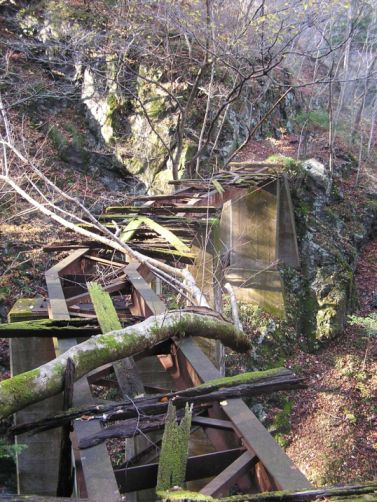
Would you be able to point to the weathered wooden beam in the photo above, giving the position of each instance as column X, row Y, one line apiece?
column 123, row 211
column 174, row 450
column 99, row 482
column 214, row 423
column 125, row 370
column 362, row 492
column 255, row 437
column 221, row 483
column 198, row 467
column 65, row 476
column 157, row 404
column 50, row 328
column 256, row 164
column 165, row 219
column 116, row 285
column 145, row 300
column 127, row 429
column 105, row 261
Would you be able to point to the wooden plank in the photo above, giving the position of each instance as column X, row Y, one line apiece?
column 221, row 484
column 126, row 371
column 117, row 285
column 214, row 423
column 145, row 300
column 198, row 467
column 65, row 478
column 104, row 261
column 255, row 437
column 127, row 210
column 100, row 483
column 47, row 328
column 26, row 354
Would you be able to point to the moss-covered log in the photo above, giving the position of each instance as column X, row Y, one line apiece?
column 247, row 384
column 50, row 328
column 47, row 380
column 360, row 492
column 174, row 450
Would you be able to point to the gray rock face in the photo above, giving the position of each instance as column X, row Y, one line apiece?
column 317, row 174
column 331, row 230
column 134, row 120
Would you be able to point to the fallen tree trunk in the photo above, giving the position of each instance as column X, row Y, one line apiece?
column 246, row 384
column 354, row 492
column 47, row 380
column 128, row 429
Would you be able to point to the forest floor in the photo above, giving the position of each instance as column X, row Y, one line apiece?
column 333, row 437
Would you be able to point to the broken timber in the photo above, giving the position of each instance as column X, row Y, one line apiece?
column 245, row 452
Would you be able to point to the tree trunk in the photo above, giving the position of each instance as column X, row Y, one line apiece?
column 244, row 385
column 47, row 380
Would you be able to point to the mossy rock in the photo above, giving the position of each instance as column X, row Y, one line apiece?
column 290, row 165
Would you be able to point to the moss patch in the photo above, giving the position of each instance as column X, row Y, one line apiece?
column 174, row 450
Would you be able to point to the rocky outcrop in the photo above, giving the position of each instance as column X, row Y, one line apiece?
column 123, row 107
column 332, row 225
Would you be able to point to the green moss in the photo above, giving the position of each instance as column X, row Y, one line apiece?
column 109, row 348
column 214, row 224
column 77, row 138
column 243, row 378
column 290, row 165
column 208, row 328
column 136, row 166
column 183, row 495
column 188, row 152
column 58, row 139
column 58, row 370
column 174, row 450
column 18, row 389
column 156, row 107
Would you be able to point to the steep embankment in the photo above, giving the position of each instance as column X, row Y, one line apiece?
column 333, row 438
column 329, row 430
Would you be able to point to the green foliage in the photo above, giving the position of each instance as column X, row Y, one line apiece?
column 291, row 165
column 282, row 424
column 369, row 323
column 316, row 117
column 77, row 138
column 10, row 450
column 272, row 340
column 57, row 138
